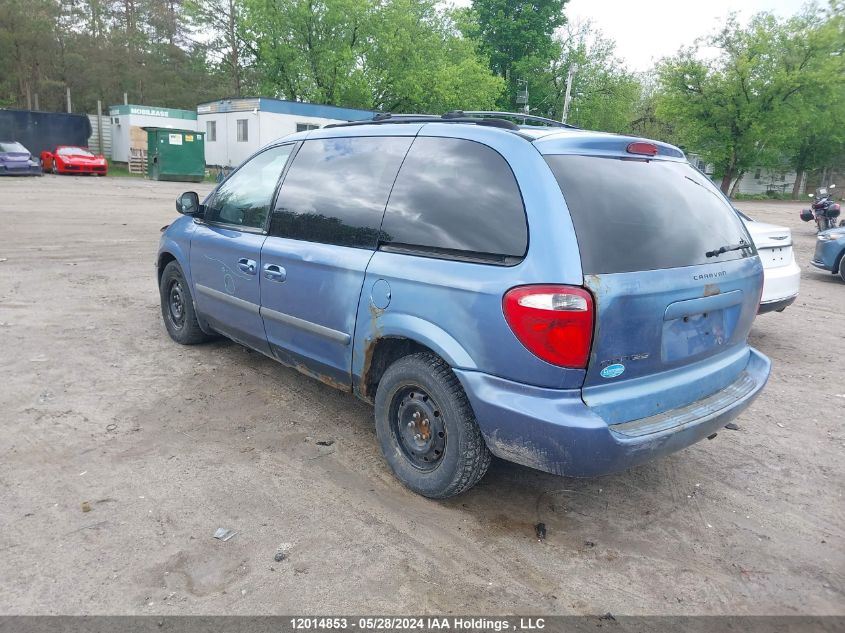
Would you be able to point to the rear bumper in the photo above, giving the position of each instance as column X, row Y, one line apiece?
column 555, row 431
column 777, row 305
column 780, row 287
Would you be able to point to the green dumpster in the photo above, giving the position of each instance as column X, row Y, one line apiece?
column 175, row 154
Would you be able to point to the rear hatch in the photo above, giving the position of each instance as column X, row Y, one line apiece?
column 675, row 279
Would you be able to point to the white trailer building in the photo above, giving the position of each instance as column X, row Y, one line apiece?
column 236, row 128
column 128, row 123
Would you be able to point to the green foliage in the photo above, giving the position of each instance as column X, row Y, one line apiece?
column 307, row 49
column 399, row 55
column 100, row 49
column 25, row 27
column 419, row 62
column 228, row 48
column 770, row 195
column 395, row 55
column 517, row 36
column 605, row 95
column 742, row 109
column 814, row 135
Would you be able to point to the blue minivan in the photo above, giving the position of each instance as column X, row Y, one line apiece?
column 574, row 301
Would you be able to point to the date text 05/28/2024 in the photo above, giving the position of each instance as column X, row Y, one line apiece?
column 432, row 623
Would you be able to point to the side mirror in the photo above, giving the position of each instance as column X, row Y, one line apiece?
column 188, row 203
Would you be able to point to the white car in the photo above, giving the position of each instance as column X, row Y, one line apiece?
column 781, row 274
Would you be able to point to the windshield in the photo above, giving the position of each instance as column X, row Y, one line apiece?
column 633, row 214
column 74, row 151
column 13, row 146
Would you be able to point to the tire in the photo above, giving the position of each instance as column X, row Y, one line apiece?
column 55, row 168
column 419, row 395
column 842, row 267
column 177, row 307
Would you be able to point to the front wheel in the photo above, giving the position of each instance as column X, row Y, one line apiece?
column 177, row 307
column 55, row 169
column 842, row 267
column 426, row 428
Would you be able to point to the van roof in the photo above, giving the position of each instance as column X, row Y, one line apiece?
column 551, row 141
column 547, row 135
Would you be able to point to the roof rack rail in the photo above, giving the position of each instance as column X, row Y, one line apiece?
column 382, row 118
column 515, row 115
column 397, row 118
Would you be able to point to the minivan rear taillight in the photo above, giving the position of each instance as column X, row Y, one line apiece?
column 553, row 322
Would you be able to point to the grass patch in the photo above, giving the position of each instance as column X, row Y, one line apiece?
column 121, row 170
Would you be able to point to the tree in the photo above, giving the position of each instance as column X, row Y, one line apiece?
column 418, row 61
column 308, row 49
column 392, row 55
column 733, row 109
column 100, row 49
column 26, row 46
column 815, row 136
column 605, row 93
column 222, row 21
column 517, row 38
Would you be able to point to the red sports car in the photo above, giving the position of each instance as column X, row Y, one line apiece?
column 66, row 159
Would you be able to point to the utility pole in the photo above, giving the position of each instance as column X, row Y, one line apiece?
column 573, row 68
column 100, row 126
column 522, row 94
column 68, row 100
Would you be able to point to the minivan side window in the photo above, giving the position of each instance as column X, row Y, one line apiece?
column 244, row 198
column 336, row 190
column 455, row 197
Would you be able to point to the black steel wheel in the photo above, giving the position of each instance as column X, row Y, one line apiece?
column 176, row 303
column 419, row 427
column 426, row 427
column 177, row 307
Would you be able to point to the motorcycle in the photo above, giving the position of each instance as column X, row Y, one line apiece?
column 824, row 209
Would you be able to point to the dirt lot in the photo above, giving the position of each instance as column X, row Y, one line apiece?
column 167, row 443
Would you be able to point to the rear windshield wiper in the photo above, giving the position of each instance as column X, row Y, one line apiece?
column 727, row 248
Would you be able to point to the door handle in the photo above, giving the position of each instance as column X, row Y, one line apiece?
column 274, row 272
column 247, row 265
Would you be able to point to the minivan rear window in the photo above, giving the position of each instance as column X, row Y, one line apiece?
column 634, row 214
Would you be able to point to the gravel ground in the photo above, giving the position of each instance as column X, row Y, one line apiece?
column 123, row 452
